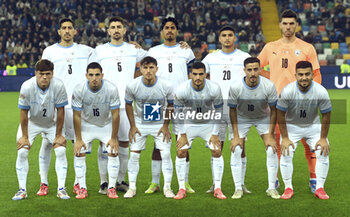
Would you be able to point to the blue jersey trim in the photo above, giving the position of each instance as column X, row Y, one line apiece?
column 326, row 110
column 218, row 106
column 281, row 108
column 232, row 105
column 128, row 101
column 62, row 104
column 24, row 107
column 77, row 108
column 114, row 107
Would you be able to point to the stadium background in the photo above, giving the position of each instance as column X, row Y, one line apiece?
column 27, row 27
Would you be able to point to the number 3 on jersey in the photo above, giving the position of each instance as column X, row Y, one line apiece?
column 70, row 70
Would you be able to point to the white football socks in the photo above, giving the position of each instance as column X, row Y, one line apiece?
column 80, row 171
column 218, row 168
column 156, row 169
column 236, row 167
column 22, row 167
column 272, row 167
column 167, row 168
column 44, row 159
column 113, row 170
column 322, row 166
column 102, row 160
column 61, row 166
column 133, row 169
column 123, row 162
column 286, row 164
column 180, row 164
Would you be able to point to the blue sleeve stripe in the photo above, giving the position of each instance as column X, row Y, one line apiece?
column 77, row 108
column 281, row 108
column 171, row 101
column 24, row 107
column 62, row 104
column 326, row 110
column 114, row 107
column 232, row 105
column 218, row 106
column 128, row 101
column 273, row 103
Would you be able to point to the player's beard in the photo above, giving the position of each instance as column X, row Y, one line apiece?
column 117, row 37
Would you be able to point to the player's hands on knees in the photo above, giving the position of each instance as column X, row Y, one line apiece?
column 270, row 140
column 166, row 133
column 184, row 45
column 77, row 147
column 325, row 149
column 23, row 142
column 215, row 140
column 236, row 142
column 114, row 146
column 132, row 134
column 137, row 45
column 182, row 141
column 286, row 142
column 59, row 140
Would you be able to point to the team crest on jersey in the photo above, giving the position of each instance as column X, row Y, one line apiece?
column 297, row 52
column 69, row 60
column 152, row 111
column 22, row 96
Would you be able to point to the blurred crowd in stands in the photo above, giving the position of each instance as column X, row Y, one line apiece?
column 28, row 26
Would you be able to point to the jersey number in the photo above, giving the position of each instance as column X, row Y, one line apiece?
column 96, row 112
column 70, row 70
column 284, row 63
column 119, row 66
column 227, row 75
column 302, row 113
column 250, row 107
column 170, row 67
column 44, row 114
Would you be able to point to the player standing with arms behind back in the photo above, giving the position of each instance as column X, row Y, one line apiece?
column 224, row 67
column 173, row 61
column 282, row 56
column 118, row 60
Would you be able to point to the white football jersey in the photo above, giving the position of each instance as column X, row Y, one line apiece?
column 118, row 63
column 149, row 100
column 252, row 102
column 302, row 108
column 70, row 64
column 198, row 101
column 96, row 106
column 224, row 68
column 172, row 62
column 41, row 104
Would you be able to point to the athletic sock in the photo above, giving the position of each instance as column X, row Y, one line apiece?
column 44, row 159
column 123, row 162
column 218, row 168
column 272, row 166
column 22, row 167
column 133, row 169
column 156, row 169
column 167, row 167
column 180, row 164
column 286, row 165
column 236, row 167
column 61, row 166
column 244, row 168
column 102, row 160
column 322, row 167
column 80, row 171
column 113, row 169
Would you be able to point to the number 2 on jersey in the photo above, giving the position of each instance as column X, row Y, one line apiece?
column 44, row 112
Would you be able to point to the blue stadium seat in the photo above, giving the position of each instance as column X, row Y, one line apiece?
column 348, row 62
column 343, row 45
column 305, row 28
column 344, row 50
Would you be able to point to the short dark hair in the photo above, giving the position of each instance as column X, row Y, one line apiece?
column 251, row 60
column 148, row 60
column 117, row 19
column 198, row 65
column 289, row 14
column 44, row 65
column 170, row 19
column 63, row 20
column 227, row 27
column 303, row 65
column 94, row 65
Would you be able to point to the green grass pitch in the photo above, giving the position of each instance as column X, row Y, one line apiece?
column 199, row 204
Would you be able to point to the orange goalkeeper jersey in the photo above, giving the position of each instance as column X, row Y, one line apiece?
column 282, row 58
